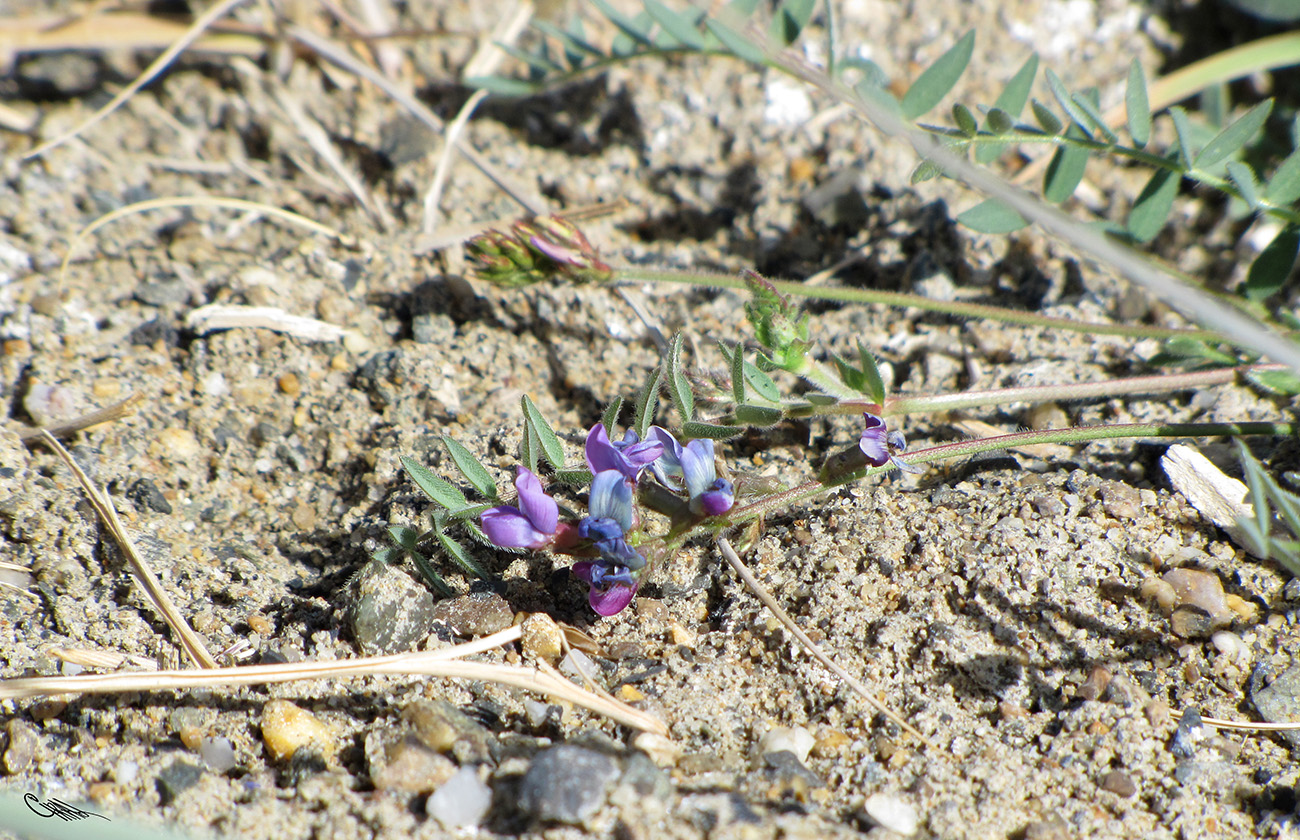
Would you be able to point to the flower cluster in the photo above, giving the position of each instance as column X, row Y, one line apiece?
column 609, row 533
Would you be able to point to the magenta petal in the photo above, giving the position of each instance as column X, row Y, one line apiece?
column 874, row 441
column 610, row 601
column 541, row 509
column 582, row 571
column 507, row 527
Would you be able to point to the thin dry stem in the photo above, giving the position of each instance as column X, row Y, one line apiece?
column 153, row 589
column 191, row 35
column 439, row 663
column 733, row 559
column 116, row 411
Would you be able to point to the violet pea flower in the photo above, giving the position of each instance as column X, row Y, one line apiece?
column 881, row 445
column 612, row 585
column 530, row 525
column 610, row 517
column 709, row 495
column 629, row 456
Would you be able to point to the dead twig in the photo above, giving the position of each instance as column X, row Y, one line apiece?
column 116, row 411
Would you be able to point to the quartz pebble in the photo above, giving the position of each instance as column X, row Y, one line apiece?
column 794, row 739
column 412, row 767
column 217, row 753
column 286, row 728
column 1192, row 587
column 461, row 802
column 891, row 812
column 1118, row 783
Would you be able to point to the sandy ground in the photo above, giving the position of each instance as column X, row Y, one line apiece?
column 997, row 604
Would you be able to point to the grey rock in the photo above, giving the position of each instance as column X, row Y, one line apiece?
column 144, row 494
column 1189, row 731
column 788, row 770
column 566, row 784
column 391, row 612
column 475, row 614
column 176, row 778
column 163, row 292
column 1279, row 701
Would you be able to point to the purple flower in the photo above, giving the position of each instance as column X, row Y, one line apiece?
column 881, row 446
column 629, row 456
column 610, row 517
column 531, row 525
column 612, row 585
column 709, row 495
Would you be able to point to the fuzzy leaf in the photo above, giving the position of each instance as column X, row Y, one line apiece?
column 1014, row 96
column 999, row 122
column 739, row 45
column 1183, row 129
column 879, row 96
column 937, row 79
column 992, row 216
column 529, row 447
column 679, row 387
column 1050, row 122
column 1192, row 348
column 762, row 383
column 610, row 416
column 1270, row 270
column 1065, row 170
column 647, row 399
column 1236, row 135
column 758, row 415
column 576, row 48
column 964, row 119
column 871, row 71
column 631, row 28
column 431, row 575
column 475, row 473
column 712, row 431
column 1137, row 106
column 850, row 375
column 738, row 374
column 1094, row 116
column 435, row 487
column 1284, row 187
column 875, row 384
column 501, row 85
column 547, row 440
column 538, row 61
column 408, row 539
column 791, row 19
column 679, row 25
column 389, row 554
column 1062, row 97
column 1153, row 204
column 1243, row 178
column 1275, row 381
column 925, row 171
column 461, row 557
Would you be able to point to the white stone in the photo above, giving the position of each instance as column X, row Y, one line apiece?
column 795, row 739
column 888, row 811
column 461, row 802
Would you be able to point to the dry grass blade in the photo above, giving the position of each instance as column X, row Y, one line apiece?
column 103, row 659
column 330, row 51
column 116, row 411
column 853, row 682
column 115, row 31
column 153, row 589
column 219, row 316
column 1245, row 726
column 455, row 235
column 439, row 663
column 484, row 62
column 191, row 35
column 194, row 201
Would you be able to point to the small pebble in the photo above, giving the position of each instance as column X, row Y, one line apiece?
column 1095, row 685
column 664, row 752
column 176, row 778
column 576, row 663
column 289, row 384
column 541, row 638
column 286, row 728
column 630, row 693
column 1231, row 646
column 891, row 812
column 1279, row 701
column 217, row 753
column 795, row 739
column 461, row 802
column 124, row 772
column 260, row 624
column 442, row 727
column 413, row 768
column 1189, row 731
column 356, row 343
column 391, row 612
column 1193, row 587
column 1053, row 828
column 106, row 388
column 566, row 784
column 1118, row 783
column 1191, row 622
column 23, row 744
column 175, row 443
column 48, row 404
column 475, row 614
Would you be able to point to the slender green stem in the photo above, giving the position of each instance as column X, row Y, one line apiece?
column 957, row 308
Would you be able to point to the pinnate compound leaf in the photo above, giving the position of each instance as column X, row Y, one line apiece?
column 992, row 216
column 677, row 24
column 475, row 473
column 1243, row 178
column 1270, row 270
column 1153, row 204
column 1137, row 106
column 1234, row 136
column 791, row 19
column 739, row 45
column 934, row 83
column 435, row 487
column 1050, row 122
column 547, row 440
column 1284, row 187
